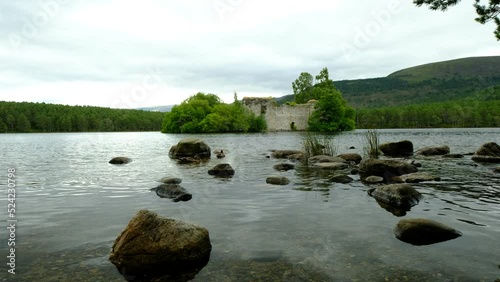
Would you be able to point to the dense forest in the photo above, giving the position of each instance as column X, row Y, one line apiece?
column 479, row 110
column 41, row 117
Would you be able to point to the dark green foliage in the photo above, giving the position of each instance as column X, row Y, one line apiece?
column 479, row 110
column 485, row 13
column 205, row 113
column 331, row 110
column 41, row 117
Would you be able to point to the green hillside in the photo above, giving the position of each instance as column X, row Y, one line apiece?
column 429, row 83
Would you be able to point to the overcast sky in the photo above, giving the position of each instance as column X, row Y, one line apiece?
column 128, row 54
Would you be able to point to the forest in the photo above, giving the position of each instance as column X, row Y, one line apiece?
column 41, row 117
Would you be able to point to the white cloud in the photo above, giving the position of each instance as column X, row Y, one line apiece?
column 99, row 53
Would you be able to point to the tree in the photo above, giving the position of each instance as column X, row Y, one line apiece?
column 302, row 87
column 485, row 13
column 22, row 123
column 331, row 112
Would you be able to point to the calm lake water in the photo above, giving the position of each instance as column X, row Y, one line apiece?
column 71, row 205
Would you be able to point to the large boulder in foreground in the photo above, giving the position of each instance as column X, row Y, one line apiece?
column 153, row 246
column 397, row 149
column 222, row 170
column 434, row 151
column 190, row 148
column 419, row 231
column 172, row 191
column 487, row 153
column 385, row 168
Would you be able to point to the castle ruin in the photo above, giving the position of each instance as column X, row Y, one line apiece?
column 280, row 118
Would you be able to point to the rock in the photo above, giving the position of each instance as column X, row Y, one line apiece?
column 152, row 246
column 373, row 179
column 354, row 171
column 421, row 231
column 453, row 156
column 283, row 154
column 356, row 158
column 296, row 157
column 220, row 155
column 172, row 191
column 222, row 170
column 188, row 160
column 332, row 166
column 385, row 168
column 277, row 180
column 283, row 167
column 341, row 178
column 352, row 147
column 170, row 180
column 397, row 195
column 325, row 159
column 397, row 149
column 415, row 177
column 487, row 153
column 415, row 163
column 497, row 170
column 190, row 147
column 120, row 160
column 434, row 151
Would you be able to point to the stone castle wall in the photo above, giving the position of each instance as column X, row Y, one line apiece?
column 280, row 118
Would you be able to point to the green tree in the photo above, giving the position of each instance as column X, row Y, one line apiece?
column 302, row 87
column 485, row 13
column 331, row 112
column 22, row 123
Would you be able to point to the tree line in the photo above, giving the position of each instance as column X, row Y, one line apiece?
column 41, row 117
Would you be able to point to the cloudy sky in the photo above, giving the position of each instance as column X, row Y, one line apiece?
column 128, row 54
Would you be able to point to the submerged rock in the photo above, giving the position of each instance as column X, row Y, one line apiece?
column 497, row 170
column 190, row 147
column 283, row 154
column 120, row 160
column 325, row 159
column 415, row 178
column 397, row 149
column 332, row 166
column 372, row 179
column 283, row 167
column 421, row 231
column 172, row 191
column 222, row 170
column 453, row 156
column 385, row 168
column 277, row 180
column 434, row 151
column 397, row 195
column 170, row 180
column 341, row 178
column 356, row 158
column 152, row 246
column 488, row 153
column 188, row 160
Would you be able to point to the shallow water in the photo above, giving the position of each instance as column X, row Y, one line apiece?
column 71, row 205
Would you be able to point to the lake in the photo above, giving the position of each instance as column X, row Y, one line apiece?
column 71, row 204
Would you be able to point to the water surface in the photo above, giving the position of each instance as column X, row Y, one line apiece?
column 72, row 204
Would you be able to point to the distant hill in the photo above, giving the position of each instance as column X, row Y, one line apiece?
column 162, row 109
column 435, row 82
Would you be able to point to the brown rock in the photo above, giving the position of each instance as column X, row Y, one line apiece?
column 421, row 231
column 153, row 246
column 356, row 158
